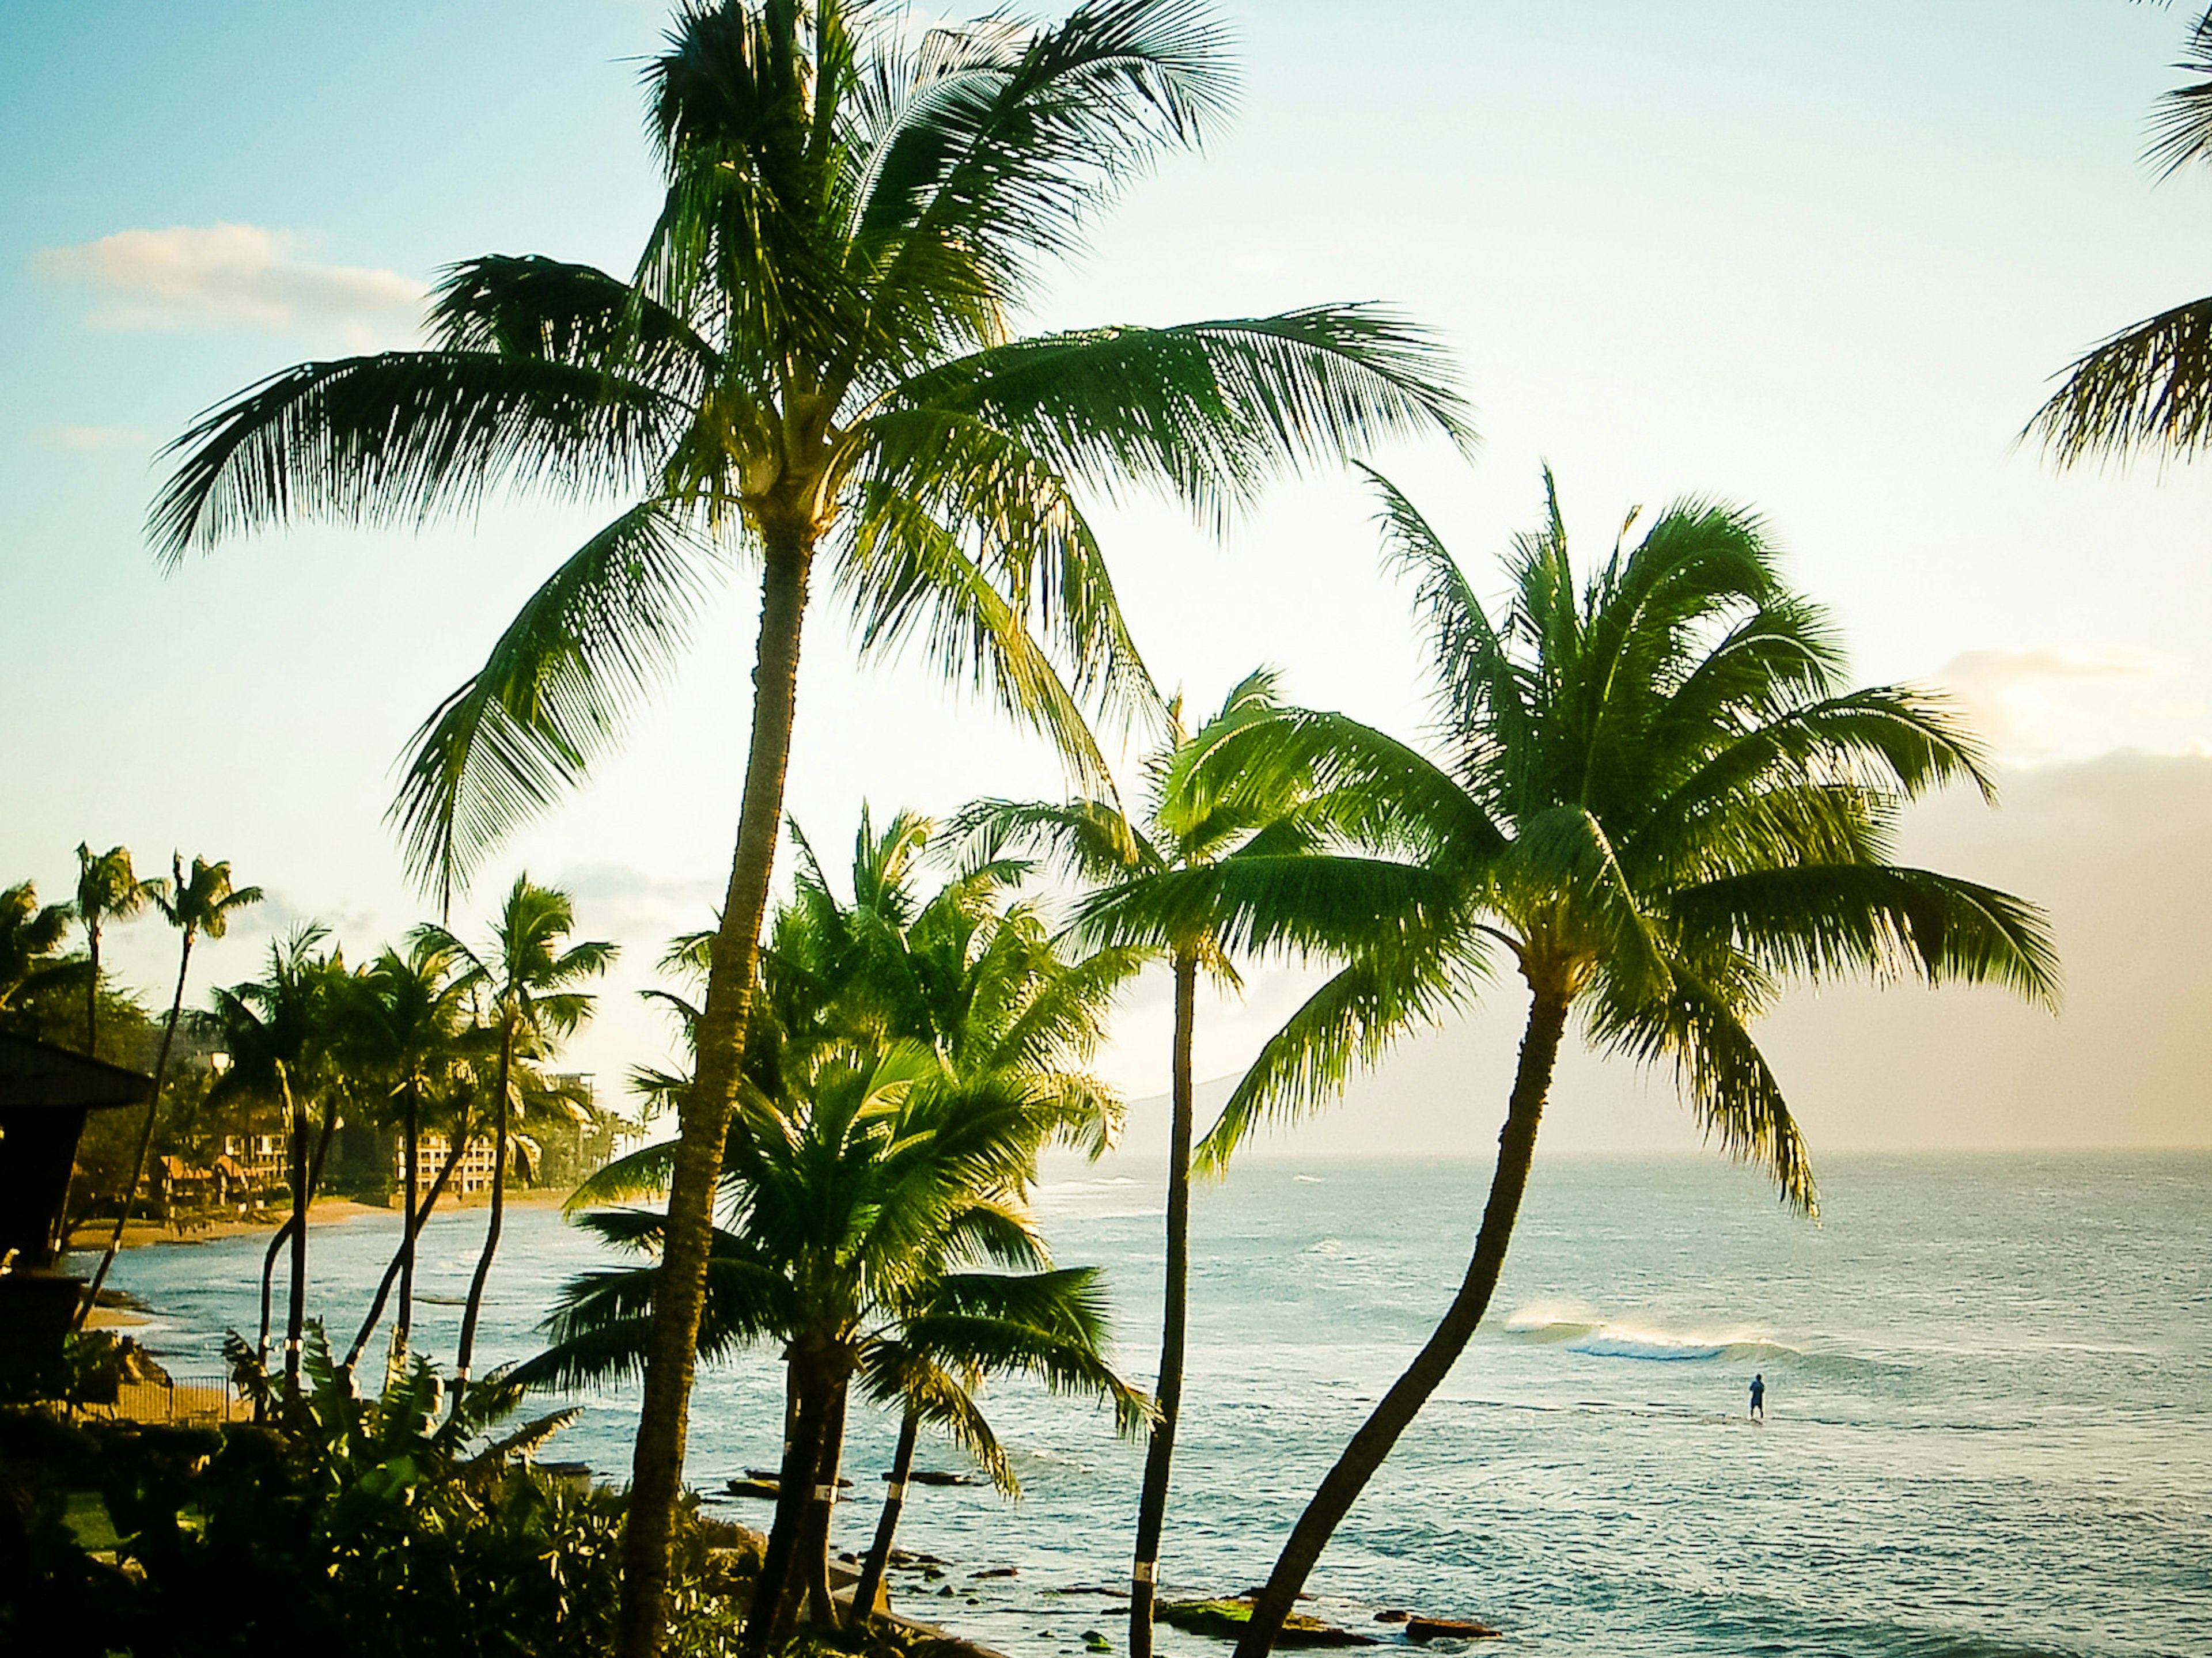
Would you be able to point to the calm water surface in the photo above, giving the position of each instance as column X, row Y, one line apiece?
column 1989, row 1400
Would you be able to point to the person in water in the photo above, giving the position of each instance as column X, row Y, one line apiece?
column 1758, row 1397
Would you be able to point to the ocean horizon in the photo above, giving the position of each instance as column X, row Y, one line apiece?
column 1989, row 1396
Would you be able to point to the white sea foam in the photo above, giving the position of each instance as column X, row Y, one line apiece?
column 1583, row 1329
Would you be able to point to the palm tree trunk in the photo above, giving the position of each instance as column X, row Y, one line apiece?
column 475, row 1308
column 871, row 1587
column 67, row 1219
column 657, row 1462
column 821, row 1509
column 403, row 1259
column 295, row 1316
column 145, row 1134
column 1516, row 1146
column 411, row 1169
column 1159, row 1453
column 807, row 1402
column 92, row 991
column 288, row 1230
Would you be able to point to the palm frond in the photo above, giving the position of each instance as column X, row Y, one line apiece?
column 596, row 638
column 402, row 437
column 1829, row 922
column 1207, row 410
column 2148, row 386
column 1730, row 1086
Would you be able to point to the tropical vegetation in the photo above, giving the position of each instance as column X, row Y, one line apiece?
column 1651, row 793
column 909, row 1059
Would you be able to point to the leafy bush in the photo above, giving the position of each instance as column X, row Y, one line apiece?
column 347, row 1525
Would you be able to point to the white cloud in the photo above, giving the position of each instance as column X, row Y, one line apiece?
column 96, row 437
column 229, row 276
column 2029, row 702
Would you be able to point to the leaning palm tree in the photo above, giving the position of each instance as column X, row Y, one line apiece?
column 2149, row 386
column 407, row 1034
column 1658, row 800
column 1197, row 817
column 108, row 889
column 813, row 357
column 527, row 982
column 200, row 903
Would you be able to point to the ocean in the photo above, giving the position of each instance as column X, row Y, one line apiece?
column 1989, row 1403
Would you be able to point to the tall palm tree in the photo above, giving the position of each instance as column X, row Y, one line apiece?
column 528, row 981
column 282, row 1031
column 1197, row 817
column 409, row 1034
column 31, row 936
column 200, row 903
column 813, row 355
column 1658, row 800
column 108, row 889
column 2149, row 386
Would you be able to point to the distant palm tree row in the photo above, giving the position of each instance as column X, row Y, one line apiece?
column 1651, row 793
column 441, row 1031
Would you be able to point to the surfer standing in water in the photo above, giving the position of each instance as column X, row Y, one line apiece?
column 1758, row 1397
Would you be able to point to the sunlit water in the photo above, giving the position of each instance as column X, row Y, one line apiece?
column 1989, row 1404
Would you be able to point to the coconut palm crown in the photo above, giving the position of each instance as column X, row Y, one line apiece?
column 1656, row 797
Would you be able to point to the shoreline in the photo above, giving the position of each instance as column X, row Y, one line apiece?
column 323, row 1212
column 149, row 1233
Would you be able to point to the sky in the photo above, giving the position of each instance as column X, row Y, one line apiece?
column 1821, row 262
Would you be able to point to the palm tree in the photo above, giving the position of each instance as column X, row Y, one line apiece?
column 202, row 902
column 1659, row 800
column 408, row 1034
column 813, row 355
column 527, row 979
column 976, row 996
column 281, row 1031
column 857, row 1197
column 2148, row 386
column 108, row 889
column 1196, row 818
column 30, row 935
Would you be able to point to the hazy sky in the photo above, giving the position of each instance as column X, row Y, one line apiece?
column 1819, row 260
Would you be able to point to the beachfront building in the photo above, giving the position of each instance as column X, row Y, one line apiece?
column 569, row 1139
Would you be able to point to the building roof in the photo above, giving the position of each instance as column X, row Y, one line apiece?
column 34, row 1074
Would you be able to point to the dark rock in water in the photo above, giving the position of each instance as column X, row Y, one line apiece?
column 1397, row 1615
column 1225, row 1620
column 938, row 1477
column 761, row 1488
column 1111, row 1591
column 996, row 1571
column 1460, row 1629
column 772, row 1475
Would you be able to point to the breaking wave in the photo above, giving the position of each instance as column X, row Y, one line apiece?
column 1583, row 1329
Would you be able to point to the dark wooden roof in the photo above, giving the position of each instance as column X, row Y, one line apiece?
column 38, row 1073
